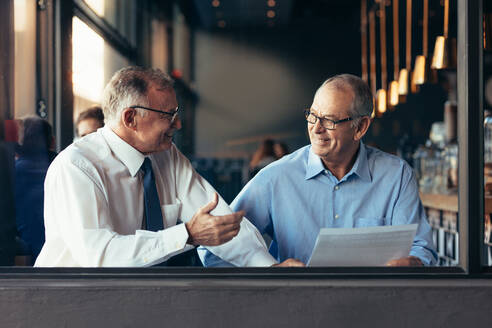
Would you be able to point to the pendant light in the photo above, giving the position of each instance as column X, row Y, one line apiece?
column 372, row 54
column 403, row 78
column 421, row 69
column 393, row 88
column 444, row 51
column 381, row 93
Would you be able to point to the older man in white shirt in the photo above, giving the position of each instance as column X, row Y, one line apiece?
column 104, row 192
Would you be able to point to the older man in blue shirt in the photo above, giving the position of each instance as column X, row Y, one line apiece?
column 335, row 182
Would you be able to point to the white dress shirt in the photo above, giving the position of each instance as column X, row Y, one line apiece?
column 94, row 208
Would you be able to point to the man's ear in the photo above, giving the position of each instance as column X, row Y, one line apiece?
column 128, row 118
column 361, row 129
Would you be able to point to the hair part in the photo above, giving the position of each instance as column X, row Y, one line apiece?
column 129, row 87
column 362, row 102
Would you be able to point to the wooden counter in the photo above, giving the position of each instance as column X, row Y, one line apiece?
column 449, row 202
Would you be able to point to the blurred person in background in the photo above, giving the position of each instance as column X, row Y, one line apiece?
column 280, row 149
column 263, row 156
column 89, row 121
column 34, row 155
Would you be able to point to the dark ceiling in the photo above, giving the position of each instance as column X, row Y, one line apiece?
column 227, row 14
column 240, row 14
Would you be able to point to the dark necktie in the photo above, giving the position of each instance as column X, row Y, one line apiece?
column 153, row 213
column 153, row 218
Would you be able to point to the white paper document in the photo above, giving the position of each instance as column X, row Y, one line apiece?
column 368, row 246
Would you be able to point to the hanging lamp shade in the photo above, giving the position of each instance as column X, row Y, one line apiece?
column 381, row 101
column 404, row 76
column 419, row 71
column 393, row 95
column 421, row 68
column 403, row 82
column 440, row 59
column 444, row 49
column 381, row 93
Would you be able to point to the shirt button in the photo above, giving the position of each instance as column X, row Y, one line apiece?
column 337, row 187
column 337, row 216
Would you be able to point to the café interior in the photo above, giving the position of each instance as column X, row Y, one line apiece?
column 244, row 72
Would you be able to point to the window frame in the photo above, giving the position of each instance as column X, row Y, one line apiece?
column 470, row 187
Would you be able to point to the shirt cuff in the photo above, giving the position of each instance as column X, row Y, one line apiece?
column 174, row 238
column 425, row 256
column 261, row 258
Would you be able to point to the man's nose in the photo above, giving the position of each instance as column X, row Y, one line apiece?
column 177, row 123
column 318, row 128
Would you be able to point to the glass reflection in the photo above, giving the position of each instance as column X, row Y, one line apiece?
column 88, row 62
column 258, row 71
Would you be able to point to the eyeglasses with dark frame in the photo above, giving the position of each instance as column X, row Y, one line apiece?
column 173, row 114
column 325, row 122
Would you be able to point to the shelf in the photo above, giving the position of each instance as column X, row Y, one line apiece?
column 440, row 202
column 449, row 202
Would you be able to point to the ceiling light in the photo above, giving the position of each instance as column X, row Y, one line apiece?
column 421, row 68
column 393, row 87
column 393, row 93
column 381, row 93
column 406, row 72
column 381, row 101
column 444, row 51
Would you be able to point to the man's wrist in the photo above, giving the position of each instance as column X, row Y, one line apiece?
column 189, row 241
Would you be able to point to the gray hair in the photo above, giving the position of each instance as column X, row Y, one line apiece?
column 129, row 86
column 362, row 104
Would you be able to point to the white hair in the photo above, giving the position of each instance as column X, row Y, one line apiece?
column 129, row 87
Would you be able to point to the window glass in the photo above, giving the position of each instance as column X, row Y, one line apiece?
column 120, row 14
column 487, row 82
column 256, row 73
column 25, row 57
column 281, row 61
column 94, row 62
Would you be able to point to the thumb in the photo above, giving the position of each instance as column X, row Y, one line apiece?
column 210, row 206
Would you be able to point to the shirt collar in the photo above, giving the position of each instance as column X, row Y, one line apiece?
column 314, row 165
column 360, row 167
column 128, row 155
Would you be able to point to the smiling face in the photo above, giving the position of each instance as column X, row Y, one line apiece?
column 153, row 132
column 338, row 146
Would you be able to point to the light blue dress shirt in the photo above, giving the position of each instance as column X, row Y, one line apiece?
column 292, row 198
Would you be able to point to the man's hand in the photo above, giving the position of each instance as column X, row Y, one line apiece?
column 290, row 263
column 405, row 261
column 209, row 230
